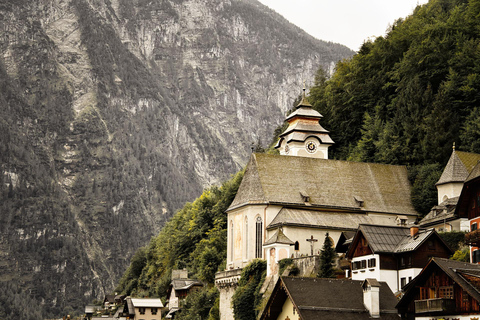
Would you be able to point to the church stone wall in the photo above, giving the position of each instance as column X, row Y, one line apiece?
column 307, row 266
column 226, row 282
column 242, row 233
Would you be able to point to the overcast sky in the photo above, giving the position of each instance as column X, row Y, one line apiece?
column 348, row 22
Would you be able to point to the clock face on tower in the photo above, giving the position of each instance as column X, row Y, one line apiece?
column 311, row 146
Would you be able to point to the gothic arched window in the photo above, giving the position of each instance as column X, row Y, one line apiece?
column 258, row 237
column 231, row 240
column 246, row 238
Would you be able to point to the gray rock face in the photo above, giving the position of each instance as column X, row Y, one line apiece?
column 116, row 112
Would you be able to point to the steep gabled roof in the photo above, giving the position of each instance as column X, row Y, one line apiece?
column 458, row 167
column 279, row 237
column 327, row 183
column 391, row 239
column 327, row 299
column 466, row 275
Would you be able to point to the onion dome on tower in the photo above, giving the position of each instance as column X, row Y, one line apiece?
column 304, row 136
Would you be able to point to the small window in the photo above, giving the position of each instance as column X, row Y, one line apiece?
column 403, row 282
column 372, row 263
column 409, row 279
column 402, row 261
column 141, row 310
column 363, row 264
column 154, row 311
column 446, row 292
column 476, row 256
column 474, row 226
column 431, row 245
column 297, row 246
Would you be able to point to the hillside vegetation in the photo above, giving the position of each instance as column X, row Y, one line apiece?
column 405, row 98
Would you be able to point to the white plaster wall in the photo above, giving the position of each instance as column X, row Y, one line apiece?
column 390, row 277
column 362, row 274
column 299, row 149
column 406, row 273
column 302, row 234
column 287, row 311
column 450, row 190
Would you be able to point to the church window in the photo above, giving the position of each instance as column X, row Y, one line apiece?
column 231, row 240
column 246, row 238
column 297, row 246
column 258, row 237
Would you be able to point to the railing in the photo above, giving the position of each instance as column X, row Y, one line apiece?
column 473, row 238
column 435, row 305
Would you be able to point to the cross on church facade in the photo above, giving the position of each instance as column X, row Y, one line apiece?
column 311, row 240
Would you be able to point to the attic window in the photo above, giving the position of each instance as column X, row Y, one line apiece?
column 358, row 200
column 305, row 196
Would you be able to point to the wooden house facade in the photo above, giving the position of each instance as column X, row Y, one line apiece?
column 444, row 289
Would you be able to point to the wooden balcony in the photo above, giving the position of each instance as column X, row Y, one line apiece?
column 438, row 305
column 473, row 238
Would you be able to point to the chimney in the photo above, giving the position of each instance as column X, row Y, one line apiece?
column 371, row 297
column 413, row 231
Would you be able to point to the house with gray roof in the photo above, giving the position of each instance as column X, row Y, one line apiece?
column 330, row 299
column 393, row 254
column 444, row 289
column 443, row 217
column 179, row 289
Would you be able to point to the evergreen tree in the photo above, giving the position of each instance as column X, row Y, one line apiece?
column 327, row 259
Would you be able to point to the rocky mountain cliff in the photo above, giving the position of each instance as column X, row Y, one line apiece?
column 116, row 112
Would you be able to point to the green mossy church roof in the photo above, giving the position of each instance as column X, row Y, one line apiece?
column 458, row 167
column 309, row 182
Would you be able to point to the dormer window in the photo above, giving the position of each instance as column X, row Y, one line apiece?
column 305, row 196
column 358, row 200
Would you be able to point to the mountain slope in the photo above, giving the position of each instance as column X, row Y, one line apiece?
column 115, row 113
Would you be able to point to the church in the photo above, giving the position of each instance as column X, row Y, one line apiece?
column 287, row 203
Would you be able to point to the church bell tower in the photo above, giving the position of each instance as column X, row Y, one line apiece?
column 304, row 137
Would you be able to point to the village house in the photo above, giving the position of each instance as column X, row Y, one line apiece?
column 469, row 208
column 179, row 289
column 142, row 309
column 393, row 254
column 444, row 289
column 444, row 217
column 296, row 298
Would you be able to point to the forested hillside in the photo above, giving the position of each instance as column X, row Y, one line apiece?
column 405, row 98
